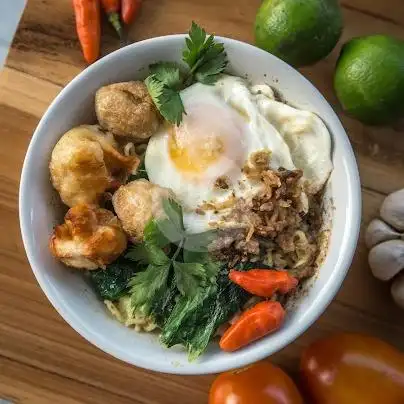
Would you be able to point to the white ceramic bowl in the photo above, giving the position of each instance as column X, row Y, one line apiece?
column 67, row 290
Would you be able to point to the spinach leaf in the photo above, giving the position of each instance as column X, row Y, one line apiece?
column 163, row 304
column 112, row 283
column 180, row 325
column 194, row 321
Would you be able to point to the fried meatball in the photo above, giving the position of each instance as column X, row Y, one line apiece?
column 126, row 109
column 136, row 202
column 90, row 238
column 85, row 163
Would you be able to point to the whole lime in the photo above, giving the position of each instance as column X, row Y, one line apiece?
column 301, row 32
column 369, row 78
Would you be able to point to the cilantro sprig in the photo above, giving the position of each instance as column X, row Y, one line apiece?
column 205, row 60
column 168, row 250
column 205, row 57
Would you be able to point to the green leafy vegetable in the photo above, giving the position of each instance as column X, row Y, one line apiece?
column 148, row 253
column 174, row 213
column 189, row 277
column 196, row 45
column 164, row 303
column 199, row 242
column 168, row 73
column 167, row 100
column 161, row 252
column 208, row 73
column 211, row 267
column 169, row 231
column 155, row 232
column 147, row 285
column 194, row 321
column 112, row 283
column 187, row 293
column 206, row 60
column 179, row 327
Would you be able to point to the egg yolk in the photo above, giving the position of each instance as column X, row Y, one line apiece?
column 198, row 158
column 194, row 148
column 209, row 141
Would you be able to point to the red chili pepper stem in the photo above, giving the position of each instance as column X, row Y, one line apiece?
column 116, row 23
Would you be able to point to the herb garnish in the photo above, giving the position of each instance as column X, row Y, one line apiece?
column 205, row 59
column 169, row 250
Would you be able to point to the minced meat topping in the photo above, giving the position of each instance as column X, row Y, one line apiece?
column 275, row 226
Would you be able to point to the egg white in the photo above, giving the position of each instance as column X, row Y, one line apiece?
column 246, row 119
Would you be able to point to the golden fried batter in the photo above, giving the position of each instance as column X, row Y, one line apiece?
column 126, row 109
column 85, row 162
column 136, row 203
column 90, row 238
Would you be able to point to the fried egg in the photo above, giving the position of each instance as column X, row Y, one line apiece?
column 224, row 126
column 307, row 137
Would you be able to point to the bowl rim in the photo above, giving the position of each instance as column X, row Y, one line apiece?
column 229, row 362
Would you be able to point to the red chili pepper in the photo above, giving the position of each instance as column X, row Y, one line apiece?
column 255, row 323
column 129, row 10
column 111, row 7
column 88, row 26
column 264, row 282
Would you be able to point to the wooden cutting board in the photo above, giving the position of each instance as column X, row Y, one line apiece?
column 42, row 360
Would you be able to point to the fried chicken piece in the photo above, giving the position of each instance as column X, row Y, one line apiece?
column 126, row 109
column 90, row 238
column 136, row 203
column 85, row 163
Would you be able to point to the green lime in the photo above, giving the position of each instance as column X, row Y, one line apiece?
column 301, row 32
column 369, row 78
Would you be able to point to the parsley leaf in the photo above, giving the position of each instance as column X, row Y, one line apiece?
column 147, row 285
column 209, row 72
column 148, row 253
column 174, row 213
column 167, row 100
column 205, row 57
column 190, row 270
column 199, row 242
column 206, row 60
column 169, row 231
column 211, row 267
column 170, row 228
column 153, row 234
column 196, row 44
column 168, row 73
column 189, row 277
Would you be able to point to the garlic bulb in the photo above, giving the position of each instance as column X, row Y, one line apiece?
column 386, row 259
column 385, row 238
column 379, row 231
column 392, row 210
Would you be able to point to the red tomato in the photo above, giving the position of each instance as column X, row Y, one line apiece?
column 353, row 369
column 261, row 383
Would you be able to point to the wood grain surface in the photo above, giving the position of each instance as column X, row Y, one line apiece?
column 42, row 360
